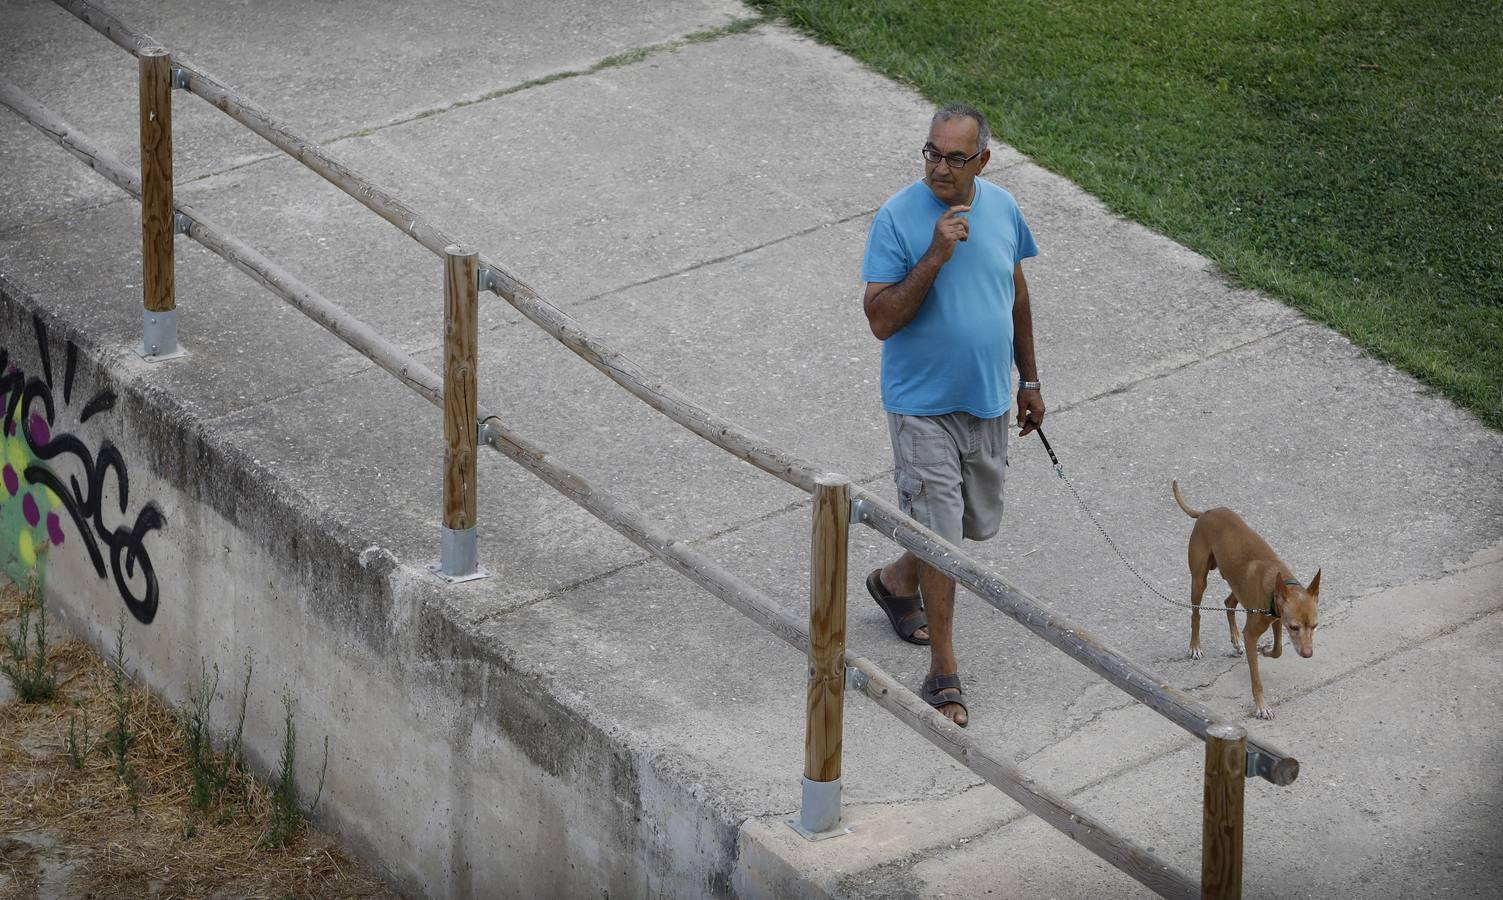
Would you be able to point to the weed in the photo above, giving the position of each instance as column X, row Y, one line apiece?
column 27, row 668
column 78, row 746
column 210, row 771
column 205, row 774
column 286, row 818
column 119, row 738
column 234, row 749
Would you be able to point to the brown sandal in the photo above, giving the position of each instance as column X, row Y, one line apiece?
column 906, row 614
column 939, row 690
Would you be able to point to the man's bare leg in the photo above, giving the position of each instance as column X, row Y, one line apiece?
column 939, row 603
column 906, row 577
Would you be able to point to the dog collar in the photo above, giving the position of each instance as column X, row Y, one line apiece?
column 1272, row 611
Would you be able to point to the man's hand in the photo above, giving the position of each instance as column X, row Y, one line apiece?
column 951, row 228
column 1030, row 411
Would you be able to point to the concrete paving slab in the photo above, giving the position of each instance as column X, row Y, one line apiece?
column 357, row 66
column 385, row 480
column 390, row 484
column 228, row 324
column 595, row 183
column 1383, row 810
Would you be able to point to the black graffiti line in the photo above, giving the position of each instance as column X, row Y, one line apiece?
column 11, row 384
column 44, row 477
column 108, row 458
column 41, row 332
column 81, row 505
column 102, row 403
column 130, row 541
column 150, row 519
column 84, row 505
column 68, row 373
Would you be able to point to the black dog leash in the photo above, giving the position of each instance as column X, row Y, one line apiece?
column 1060, row 471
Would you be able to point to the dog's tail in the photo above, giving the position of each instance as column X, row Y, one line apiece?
column 1178, row 498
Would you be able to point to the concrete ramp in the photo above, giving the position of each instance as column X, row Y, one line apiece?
column 695, row 189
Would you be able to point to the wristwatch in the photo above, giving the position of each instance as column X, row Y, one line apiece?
column 1030, row 385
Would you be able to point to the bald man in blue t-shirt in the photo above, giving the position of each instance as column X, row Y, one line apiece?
column 945, row 294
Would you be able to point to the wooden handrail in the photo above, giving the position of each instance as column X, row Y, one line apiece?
column 1269, row 763
column 880, row 687
column 1225, row 758
column 617, row 366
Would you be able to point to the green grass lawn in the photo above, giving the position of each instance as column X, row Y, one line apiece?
column 1344, row 156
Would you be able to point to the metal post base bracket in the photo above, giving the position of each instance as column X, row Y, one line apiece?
column 159, row 336
column 819, row 817
column 458, row 562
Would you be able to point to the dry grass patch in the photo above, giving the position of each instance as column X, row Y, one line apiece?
column 86, row 831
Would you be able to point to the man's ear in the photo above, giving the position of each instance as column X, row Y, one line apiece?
column 1314, row 587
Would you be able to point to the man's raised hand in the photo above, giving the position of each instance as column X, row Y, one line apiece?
column 951, row 228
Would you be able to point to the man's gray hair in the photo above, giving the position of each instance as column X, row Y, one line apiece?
column 960, row 110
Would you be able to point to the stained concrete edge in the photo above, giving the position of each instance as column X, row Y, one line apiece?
column 435, row 735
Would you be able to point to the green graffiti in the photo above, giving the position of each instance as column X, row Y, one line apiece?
column 29, row 520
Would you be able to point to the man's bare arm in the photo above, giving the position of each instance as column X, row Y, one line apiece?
column 1030, row 402
column 890, row 306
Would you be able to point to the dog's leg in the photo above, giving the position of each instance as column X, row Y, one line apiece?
column 1231, row 624
column 1251, row 633
column 1197, row 592
column 1278, row 641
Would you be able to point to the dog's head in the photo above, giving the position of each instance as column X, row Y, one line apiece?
column 1299, row 607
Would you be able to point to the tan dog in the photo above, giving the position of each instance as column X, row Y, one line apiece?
column 1260, row 581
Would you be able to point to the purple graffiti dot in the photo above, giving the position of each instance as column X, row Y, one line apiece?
column 29, row 507
column 11, row 482
column 40, row 433
column 54, row 529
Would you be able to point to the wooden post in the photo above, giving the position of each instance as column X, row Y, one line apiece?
column 1221, row 839
column 461, row 321
column 827, row 584
column 157, row 220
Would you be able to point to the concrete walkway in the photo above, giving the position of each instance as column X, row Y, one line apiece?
column 702, row 205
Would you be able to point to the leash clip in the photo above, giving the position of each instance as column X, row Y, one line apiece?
column 1059, row 468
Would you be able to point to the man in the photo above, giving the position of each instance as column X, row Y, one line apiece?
column 945, row 294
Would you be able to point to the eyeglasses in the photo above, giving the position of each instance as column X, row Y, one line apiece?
column 953, row 160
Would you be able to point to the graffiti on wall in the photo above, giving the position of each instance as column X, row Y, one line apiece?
column 39, row 510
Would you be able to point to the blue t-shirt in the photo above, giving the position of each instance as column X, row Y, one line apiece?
column 956, row 353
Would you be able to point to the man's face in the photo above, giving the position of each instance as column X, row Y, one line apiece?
column 954, row 138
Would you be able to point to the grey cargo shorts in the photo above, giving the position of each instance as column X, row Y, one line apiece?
column 950, row 470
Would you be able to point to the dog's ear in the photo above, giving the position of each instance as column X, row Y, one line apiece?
column 1314, row 587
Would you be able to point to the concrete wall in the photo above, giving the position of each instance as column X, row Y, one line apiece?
column 457, row 772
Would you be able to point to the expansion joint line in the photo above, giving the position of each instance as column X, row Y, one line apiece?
column 614, row 61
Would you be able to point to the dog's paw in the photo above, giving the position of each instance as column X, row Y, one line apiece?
column 1236, row 649
column 1264, row 713
column 1270, row 652
column 1195, row 653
